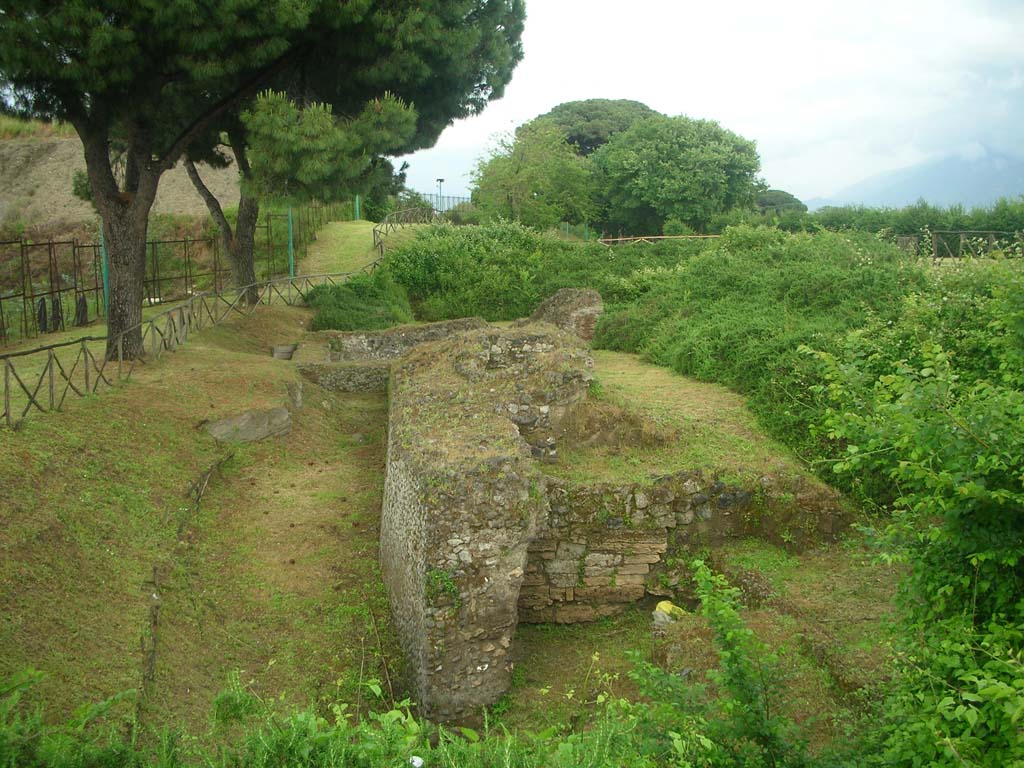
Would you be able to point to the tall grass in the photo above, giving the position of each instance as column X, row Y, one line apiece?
column 16, row 128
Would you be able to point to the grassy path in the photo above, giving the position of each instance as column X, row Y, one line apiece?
column 341, row 246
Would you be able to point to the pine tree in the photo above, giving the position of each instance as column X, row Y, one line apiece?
column 156, row 76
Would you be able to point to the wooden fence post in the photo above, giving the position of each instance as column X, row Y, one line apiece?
column 85, row 353
column 49, row 366
column 7, row 391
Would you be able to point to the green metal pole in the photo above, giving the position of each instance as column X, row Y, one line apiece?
column 291, row 244
column 357, row 208
column 106, row 274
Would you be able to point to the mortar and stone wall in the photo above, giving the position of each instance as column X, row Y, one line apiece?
column 360, row 361
column 602, row 546
column 463, row 498
column 475, row 533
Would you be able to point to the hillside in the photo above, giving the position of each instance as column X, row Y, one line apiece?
column 35, row 184
column 970, row 181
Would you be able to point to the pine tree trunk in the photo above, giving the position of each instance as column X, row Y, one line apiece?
column 124, row 210
column 243, row 246
column 125, row 238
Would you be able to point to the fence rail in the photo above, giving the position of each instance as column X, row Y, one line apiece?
column 651, row 239
column 397, row 220
column 959, row 244
column 40, row 379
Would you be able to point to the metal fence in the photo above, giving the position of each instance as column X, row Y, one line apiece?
column 444, row 203
column 47, row 287
column 41, row 379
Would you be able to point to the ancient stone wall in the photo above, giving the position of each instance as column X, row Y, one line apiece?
column 463, row 499
column 572, row 309
column 349, row 377
column 393, row 343
column 603, row 546
column 476, row 532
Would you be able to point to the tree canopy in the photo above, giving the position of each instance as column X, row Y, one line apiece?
column 778, row 201
column 159, row 76
column 588, row 124
column 536, row 178
column 674, row 168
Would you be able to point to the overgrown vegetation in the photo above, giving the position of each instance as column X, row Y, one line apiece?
column 898, row 379
column 364, row 302
column 671, row 723
column 501, row 271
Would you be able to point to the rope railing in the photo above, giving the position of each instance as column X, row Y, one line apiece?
column 81, row 367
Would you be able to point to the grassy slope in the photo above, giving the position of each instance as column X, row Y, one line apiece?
column 347, row 246
column 341, row 246
column 716, row 432
column 273, row 575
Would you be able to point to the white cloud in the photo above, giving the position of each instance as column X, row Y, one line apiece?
column 831, row 91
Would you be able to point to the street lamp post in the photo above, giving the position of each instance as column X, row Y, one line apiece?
column 439, row 183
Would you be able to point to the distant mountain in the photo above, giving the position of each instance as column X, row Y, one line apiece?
column 974, row 181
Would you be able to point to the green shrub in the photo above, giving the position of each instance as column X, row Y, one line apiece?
column 737, row 312
column 502, row 271
column 364, row 302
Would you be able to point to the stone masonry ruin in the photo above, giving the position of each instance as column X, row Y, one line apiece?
column 476, row 532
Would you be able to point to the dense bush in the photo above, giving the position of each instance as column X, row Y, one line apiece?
column 364, row 302
column 738, row 312
column 934, row 404
column 502, row 271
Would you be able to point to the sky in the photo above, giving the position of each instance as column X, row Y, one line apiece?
column 832, row 92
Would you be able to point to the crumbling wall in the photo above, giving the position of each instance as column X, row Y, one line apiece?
column 572, row 309
column 463, row 499
column 603, row 545
column 348, row 377
column 393, row 343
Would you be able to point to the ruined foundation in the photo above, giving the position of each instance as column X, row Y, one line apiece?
column 476, row 533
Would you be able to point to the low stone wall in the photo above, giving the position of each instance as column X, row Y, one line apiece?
column 348, row 377
column 393, row 343
column 603, row 546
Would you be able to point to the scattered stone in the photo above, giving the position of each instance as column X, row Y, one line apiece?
column 252, row 426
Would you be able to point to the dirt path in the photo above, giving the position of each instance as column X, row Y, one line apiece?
column 278, row 577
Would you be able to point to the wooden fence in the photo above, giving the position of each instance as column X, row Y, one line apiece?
column 651, row 239
column 960, row 244
column 40, row 379
column 398, row 219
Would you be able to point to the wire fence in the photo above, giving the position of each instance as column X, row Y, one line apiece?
column 41, row 379
column 50, row 286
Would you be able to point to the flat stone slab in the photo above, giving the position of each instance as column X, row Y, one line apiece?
column 251, row 426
